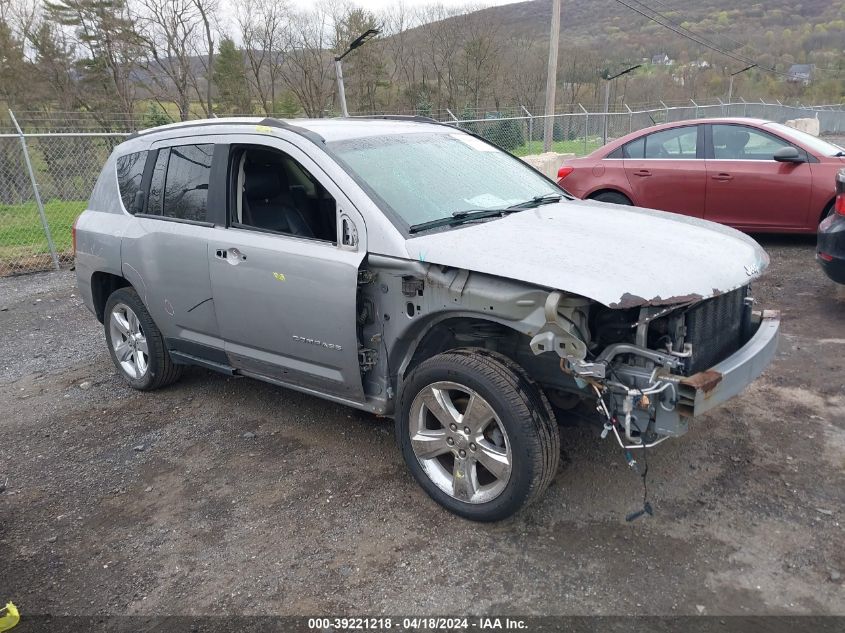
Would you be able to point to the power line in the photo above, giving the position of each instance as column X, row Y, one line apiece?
column 733, row 41
column 665, row 22
column 705, row 41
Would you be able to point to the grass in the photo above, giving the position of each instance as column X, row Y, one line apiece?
column 576, row 147
column 21, row 233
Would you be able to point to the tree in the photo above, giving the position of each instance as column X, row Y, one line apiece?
column 13, row 67
column 307, row 68
column 230, row 79
column 262, row 28
column 106, row 32
column 208, row 16
column 172, row 31
column 55, row 55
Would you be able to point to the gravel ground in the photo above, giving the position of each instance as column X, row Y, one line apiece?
column 119, row 502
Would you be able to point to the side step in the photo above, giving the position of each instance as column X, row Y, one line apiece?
column 181, row 358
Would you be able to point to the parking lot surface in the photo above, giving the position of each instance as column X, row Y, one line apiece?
column 225, row 495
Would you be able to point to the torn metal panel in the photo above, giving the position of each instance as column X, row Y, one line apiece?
column 621, row 257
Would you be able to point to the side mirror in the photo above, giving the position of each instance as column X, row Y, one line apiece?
column 789, row 155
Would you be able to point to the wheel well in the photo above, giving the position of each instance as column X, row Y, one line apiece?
column 827, row 208
column 608, row 190
column 102, row 285
column 464, row 332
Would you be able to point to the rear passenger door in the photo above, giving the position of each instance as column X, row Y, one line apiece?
column 164, row 253
column 284, row 273
column 666, row 171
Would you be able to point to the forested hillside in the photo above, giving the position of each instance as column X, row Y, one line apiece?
column 121, row 61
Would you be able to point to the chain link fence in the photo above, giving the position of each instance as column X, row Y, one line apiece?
column 583, row 131
column 46, row 176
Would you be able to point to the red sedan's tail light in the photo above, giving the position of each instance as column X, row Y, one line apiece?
column 839, row 206
column 564, row 171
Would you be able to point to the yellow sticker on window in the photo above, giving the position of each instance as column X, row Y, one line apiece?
column 263, row 128
column 279, row 276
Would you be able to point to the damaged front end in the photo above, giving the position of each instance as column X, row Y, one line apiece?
column 654, row 367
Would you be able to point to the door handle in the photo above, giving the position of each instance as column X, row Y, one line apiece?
column 723, row 177
column 231, row 255
column 642, row 173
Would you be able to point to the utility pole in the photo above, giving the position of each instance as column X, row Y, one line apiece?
column 731, row 84
column 551, row 78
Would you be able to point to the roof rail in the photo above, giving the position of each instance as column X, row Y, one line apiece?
column 267, row 122
column 296, row 129
column 396, row 117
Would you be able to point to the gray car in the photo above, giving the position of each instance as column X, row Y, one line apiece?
column 413, row 270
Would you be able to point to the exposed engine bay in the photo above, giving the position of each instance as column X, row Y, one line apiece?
column 638, row 361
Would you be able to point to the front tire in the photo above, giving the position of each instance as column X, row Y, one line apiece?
column 135, row 343
column 477, row 434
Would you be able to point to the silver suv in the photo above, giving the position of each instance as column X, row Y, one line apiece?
column 413, row 270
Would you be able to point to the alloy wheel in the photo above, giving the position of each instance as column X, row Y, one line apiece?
column 128, row 341
column 460, row 442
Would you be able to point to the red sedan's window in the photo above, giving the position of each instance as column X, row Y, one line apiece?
column 740, row 142
column 675, row 143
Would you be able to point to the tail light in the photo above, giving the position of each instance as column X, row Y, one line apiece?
column 73, row 235
column 564, row 171
column 839, row 205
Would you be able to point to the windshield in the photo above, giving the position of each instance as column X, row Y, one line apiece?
column 429, row 176
column 813, row 143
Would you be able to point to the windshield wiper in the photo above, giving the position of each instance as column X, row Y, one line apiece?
column 536, row 201
column 460, row 217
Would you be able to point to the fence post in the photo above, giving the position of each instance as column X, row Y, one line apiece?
column 530, row 127
column 630, row 118
column 454, row 118
column 586, row 125
column 35, row 191
column 696, row 107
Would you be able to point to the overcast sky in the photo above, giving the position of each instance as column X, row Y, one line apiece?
column 380, row 4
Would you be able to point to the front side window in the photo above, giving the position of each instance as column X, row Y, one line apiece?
column 130, row 172
column 275, row 193
column 179, row 185
column 676, row 143
column 740, row 142
column 424, row 177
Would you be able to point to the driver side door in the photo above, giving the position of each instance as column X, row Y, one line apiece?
column 285, row 302
column 747, row 188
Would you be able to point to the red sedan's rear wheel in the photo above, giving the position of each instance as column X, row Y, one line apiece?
column 613, row 197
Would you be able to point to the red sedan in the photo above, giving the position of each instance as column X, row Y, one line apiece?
column 751, row 174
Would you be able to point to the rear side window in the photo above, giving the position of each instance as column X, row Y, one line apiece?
column 130, row 172
column 179, row 185
column 634, row 149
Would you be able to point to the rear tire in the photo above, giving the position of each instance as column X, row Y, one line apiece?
column 477, row 433
column 135, row 343
column 613, row 197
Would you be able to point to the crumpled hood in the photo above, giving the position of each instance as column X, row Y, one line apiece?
column 617, row 255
